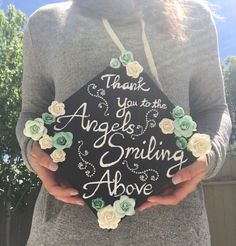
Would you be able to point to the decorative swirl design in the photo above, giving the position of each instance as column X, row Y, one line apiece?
column 84, row 165
column 100, row 93
column 142, row 174
column 149, row 123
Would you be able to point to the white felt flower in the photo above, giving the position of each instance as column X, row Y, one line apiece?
column 124, row 206
column 45, row 142
column 199, row 144
column 108, row 218
column 56, row 108
column 35, row 129
column 133, row 69
column 167, row 126
column 58, row 155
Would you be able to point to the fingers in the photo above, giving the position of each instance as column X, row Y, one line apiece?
column 42, row 158
column 146, row 205
column 177, row 195
column 54, row 183
column 71, row 200
column 189, row 172
column 185, row 180
column 64, row 193
column 49, row 180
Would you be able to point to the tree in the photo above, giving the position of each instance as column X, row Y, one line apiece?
column 16, row 181
column 229, row 68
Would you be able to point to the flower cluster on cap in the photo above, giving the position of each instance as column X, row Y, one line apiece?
column 133, row 68
column 109, row 216
column 183, row 126
column 36, row 130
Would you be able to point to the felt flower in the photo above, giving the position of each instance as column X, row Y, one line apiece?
column 126, row 57
column 56, row 108
column 108, row 218
column 199, row 144
column 45, row 142
column 181, row 142
column 98, row 203
column 177, row 112
column 124, row 206
column 62, row 140
column 58, row 155
column 115, row 63
column 167, row 126
column 35, row 129
column 184, row 126
column 48, row 118
column 133, row 69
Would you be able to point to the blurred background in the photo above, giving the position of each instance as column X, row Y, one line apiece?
column 19, row 187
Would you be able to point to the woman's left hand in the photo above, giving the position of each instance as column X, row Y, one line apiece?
column 185, row 181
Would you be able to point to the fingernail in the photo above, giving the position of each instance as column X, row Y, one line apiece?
column 151, row 199
column 80, row 203
column 74, row 193
column 53, row 167
column 176, row 179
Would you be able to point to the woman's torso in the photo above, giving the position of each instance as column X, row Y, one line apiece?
column 73, row 48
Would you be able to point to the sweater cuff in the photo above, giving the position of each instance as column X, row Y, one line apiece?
column 213, row 168
column 25, row 152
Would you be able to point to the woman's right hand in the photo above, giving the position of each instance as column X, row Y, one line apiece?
column 56, row 185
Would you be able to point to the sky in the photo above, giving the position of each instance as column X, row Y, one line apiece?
column 226, row 28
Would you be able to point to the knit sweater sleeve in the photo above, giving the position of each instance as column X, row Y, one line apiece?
column 37, row 94
column 207, row 95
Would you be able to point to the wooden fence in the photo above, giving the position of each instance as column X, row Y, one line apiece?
column 220, row 196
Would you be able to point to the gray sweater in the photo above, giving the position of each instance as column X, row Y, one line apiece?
column 65, row 46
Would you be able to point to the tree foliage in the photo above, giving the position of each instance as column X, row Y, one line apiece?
column 16, row 181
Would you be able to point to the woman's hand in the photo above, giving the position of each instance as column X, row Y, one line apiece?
column 185, row 181
column 56, row 185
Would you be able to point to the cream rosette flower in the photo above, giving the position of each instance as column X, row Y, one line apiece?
column 58, row 155
column 108, row 218
column 133, row 69
column 199, row 144
column 45, row 142
column 167, row 126
column 56, row 108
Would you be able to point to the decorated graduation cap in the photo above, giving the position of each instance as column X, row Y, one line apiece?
column 118, row 139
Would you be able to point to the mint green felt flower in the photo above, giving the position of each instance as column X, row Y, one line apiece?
column 35, row 129
column 115, row 63
column 124, row 206
column 185, row 126
column 181, row 142
column 48, row 118
column 126, row 57
column 177, row 112
column 98, row 203
column 62, row 140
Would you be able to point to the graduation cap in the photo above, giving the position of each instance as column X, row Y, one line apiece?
column 118, row 140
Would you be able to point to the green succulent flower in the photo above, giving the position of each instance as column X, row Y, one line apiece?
column 124, row 206
column 35, row 129
column 115, row 63
column 178, row 112
column 126, row 57
column 185, row 126
column 62, row 140
column 48, row 118
column 98, row 203
column 181, row 142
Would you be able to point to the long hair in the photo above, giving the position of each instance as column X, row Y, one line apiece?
column 174, row 12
